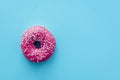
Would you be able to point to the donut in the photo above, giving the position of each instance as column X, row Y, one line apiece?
column 38, row 44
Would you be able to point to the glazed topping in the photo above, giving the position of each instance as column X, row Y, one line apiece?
column 38, row 44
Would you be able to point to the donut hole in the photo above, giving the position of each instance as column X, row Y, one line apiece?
column 37, row 44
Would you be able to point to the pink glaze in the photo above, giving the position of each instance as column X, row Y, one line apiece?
column 48, row 43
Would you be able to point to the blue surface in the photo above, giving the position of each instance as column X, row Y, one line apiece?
column 87, row 34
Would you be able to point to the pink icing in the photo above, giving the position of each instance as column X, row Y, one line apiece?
column 48, row 43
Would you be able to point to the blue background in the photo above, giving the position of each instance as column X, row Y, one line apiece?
column 87, row 34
